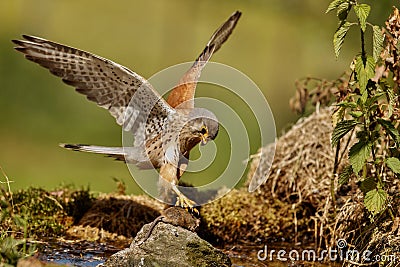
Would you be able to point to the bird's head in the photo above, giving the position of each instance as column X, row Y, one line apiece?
column 203, row 125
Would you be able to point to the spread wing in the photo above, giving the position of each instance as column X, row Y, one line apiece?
column 183, row 94
column 130, row 98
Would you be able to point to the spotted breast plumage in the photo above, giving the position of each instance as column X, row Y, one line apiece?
column 164, row 131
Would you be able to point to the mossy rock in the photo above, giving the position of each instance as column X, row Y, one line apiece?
column 171, row 246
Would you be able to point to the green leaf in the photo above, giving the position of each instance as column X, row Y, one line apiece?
column 343, row 10
column 368, row 184
column 377, row 40
column 338, row 37
column 346, row 104
column 390, row 129
column 371, row 102
column 364, row 96
column 362, row 12
column 392, row 99
column 356, row 114
column 375, row 200
column 334, row 4
column 338, row 115
column 393, row 164
column 358, row 155
column 364, row 72
column 344, row 176
column 341, row 129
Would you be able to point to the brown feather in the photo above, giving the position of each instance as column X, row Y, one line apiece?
column 182, row 96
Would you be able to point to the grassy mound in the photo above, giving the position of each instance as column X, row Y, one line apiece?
column 300, row 201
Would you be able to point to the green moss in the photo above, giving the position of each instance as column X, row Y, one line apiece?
column 242, row 216
column 37, row 212
column 210, row 257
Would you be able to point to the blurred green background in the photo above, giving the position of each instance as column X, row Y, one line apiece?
column 275, row 43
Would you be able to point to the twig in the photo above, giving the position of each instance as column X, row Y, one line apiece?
column 8, row 187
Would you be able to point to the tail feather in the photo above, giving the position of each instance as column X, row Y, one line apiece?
column 127, row 154
column 112, row 151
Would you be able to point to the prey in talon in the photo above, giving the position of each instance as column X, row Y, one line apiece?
column 164, row 131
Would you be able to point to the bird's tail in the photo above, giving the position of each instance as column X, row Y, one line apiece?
column 127, row 154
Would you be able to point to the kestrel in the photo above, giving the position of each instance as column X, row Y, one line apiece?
column 164, row 131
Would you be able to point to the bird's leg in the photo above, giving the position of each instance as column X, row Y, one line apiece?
column 168, row 180
column 182, row 200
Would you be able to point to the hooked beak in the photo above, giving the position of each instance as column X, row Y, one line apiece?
column 204, row 139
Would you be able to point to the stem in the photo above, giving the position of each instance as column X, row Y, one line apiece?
column 25, row 236
column 346, row 146
column 335, row 168
column 363, row 53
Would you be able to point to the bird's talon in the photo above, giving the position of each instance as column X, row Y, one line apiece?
column 184, row 202
column 187, row 204
column 196, row 211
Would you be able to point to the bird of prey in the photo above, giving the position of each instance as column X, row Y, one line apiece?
column 164, row 131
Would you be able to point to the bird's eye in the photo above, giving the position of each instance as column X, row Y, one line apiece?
column 203, row 130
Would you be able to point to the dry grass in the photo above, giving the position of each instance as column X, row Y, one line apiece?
column 297, row 187
column 122, row 215
column 302, row 177
column 295, row 202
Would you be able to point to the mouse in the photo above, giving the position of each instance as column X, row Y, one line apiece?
column 176, row 216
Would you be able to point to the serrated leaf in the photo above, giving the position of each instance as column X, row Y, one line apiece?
column 377, row 40
column 341, row 129
column 344, row 176
column 362, row 12
column 390, row 129
column 364, row 72
column 338, row 116
column 392, row 99
column 334, row 4
column 364, row 96
column 375, row 200
column 343, row 10
column 338, row 37
column 393, row 164
column 368, row 184
column 358, row 155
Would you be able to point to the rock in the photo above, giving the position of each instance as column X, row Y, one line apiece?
column 169, row 246
column 30, row 262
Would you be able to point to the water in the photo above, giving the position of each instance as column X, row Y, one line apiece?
column 85, row 253
column 77, row 253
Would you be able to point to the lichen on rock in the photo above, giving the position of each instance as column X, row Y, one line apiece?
column 171, row 246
